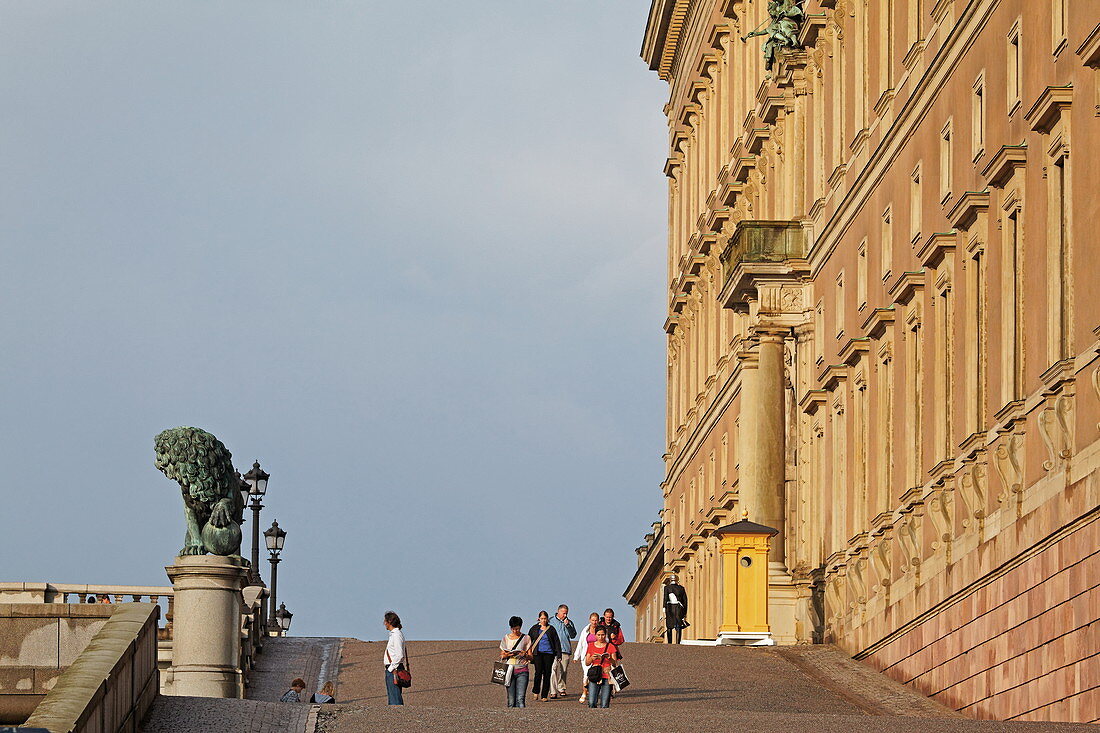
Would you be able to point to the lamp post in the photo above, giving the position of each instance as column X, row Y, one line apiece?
column 256, row 480
column 283, row 616
column 274, row 537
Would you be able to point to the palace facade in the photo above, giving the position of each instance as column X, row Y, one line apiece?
column 880, row 338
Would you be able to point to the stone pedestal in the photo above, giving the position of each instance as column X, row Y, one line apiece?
column 206, row 646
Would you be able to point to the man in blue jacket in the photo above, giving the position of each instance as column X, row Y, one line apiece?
column 566, row 631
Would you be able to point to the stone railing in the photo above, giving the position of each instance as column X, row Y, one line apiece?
column 87, row 597
column 111, row 684
column 160, row 595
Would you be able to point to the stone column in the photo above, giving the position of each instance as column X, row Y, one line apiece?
column 206, row 643
column 769, row 421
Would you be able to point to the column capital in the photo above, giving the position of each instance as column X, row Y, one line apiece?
column 771, row 333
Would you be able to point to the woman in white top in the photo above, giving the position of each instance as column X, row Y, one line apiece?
column 395, row 656
column 586, row 637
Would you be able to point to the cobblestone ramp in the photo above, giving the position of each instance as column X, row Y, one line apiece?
column 682, row 688
column 314, row 659
column 208, row 715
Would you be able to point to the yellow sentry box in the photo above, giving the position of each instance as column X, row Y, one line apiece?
column 744, row 547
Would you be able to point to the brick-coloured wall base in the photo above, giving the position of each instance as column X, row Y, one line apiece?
column 1025, row 646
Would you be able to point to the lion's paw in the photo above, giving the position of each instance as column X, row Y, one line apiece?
column 193, row 550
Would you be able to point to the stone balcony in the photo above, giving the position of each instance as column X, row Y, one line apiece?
column 762, row 249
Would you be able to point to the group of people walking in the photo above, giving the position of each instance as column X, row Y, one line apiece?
column 548, row 647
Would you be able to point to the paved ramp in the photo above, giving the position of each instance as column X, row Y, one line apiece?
column 314, row 659
column 682, row 688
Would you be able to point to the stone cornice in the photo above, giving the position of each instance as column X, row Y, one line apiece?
column 937, row 246
column 967, row 208
column 1004, row 163
column 906, row 286
column 1044, row 114
column 1089, row 50
column 662, row 35
column 877, row 320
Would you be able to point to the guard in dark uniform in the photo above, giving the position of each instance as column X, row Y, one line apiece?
column 676, row 607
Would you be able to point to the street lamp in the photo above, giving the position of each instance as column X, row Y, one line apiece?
column 283, row 616
column 274, row 537
column 256, row 481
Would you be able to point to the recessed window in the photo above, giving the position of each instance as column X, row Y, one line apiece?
column 978, row 117
column 1015, row 68
column 947, row 162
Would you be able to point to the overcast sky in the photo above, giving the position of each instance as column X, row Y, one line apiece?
column 408, row 254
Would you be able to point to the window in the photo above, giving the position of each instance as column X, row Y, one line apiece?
column 1015, row 68
column 1058, row 25
column 914, row 380
column 944, row 351
column 916, row 212
column 886, row 243
column 946, row 162
column 838, row 308
column 976, row 336
column 977, row 121
column 819, row 331
column 1060, row 267
column 886, row 44
column 884, row 421
column 861, row 275
column 1012, row 297
column 916, row 21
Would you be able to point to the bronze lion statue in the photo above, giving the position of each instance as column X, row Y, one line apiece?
column 212, row 501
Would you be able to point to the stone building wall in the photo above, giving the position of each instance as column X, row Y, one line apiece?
column 880, row 336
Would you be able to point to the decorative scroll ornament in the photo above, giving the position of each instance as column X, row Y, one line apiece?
column 856, row 575
column 909, row 538
column 974, row 485
column 1054, row 427
column 941, row 511
column 1007, row 460
column 880, row 561
column 834, row 594
column 785, row 19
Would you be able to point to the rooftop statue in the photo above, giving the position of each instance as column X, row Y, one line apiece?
column 786, row 17
column 212, row 503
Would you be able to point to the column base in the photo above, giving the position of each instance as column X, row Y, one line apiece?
column 744, row 638
column 782, row 604
column 196, row 680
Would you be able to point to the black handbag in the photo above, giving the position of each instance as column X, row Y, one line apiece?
column 595, row 674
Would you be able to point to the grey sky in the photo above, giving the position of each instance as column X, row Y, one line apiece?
column 409, row 255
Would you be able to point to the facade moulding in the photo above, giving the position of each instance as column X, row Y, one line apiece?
column 1049, row 107
column 1089, row 50
column 965, row 211
column 936, row 247
column 916, row 106
column 1004, row 163
column 709, row 418
column 987, row 579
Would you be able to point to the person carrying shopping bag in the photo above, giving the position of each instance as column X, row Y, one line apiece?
column 514, row 649
column 601, row 655
column 587, row 636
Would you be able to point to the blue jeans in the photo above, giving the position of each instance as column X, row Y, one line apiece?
column 393, row 692
column 599, row 694
column 517, row 690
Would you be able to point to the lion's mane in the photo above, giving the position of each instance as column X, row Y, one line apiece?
column 198, row 461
